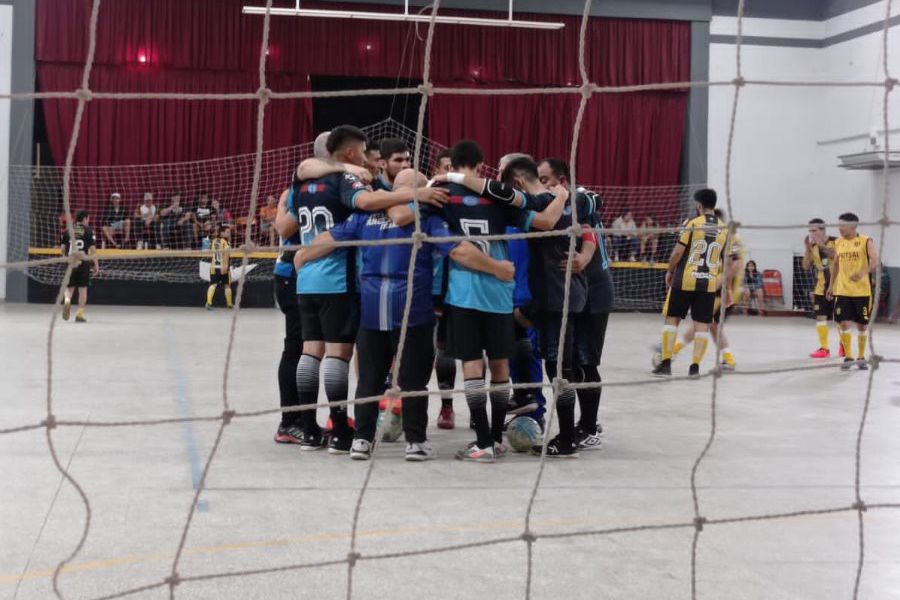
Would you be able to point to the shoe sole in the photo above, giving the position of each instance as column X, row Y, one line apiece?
column 338, row 452
column 446, row 426
column 588, row 448
column 77, row 320
column 574, row 455
column 310, row 448
column 359, row 456
column 418, row 458
column 287, row 441
column 661, row 375
column 475, row 460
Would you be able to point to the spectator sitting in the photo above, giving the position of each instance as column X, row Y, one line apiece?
column 625, row 243
column 649, row 240
column 146, row 217
column 752, row 288
column 267, row 216
column 204, row 217
column 174, row 219
column 223, row 215
column 115, row 219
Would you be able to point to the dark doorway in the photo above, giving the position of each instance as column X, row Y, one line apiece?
column 363, row 110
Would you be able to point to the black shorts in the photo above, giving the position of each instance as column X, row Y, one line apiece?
column 823, row 307
column 700, row 305
column 81, row 276
column 590, row 335
column 332, row 318
column 472, row 333
column 217, row 277
column 857, row 309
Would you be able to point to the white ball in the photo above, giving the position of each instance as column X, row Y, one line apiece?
column 523, row 433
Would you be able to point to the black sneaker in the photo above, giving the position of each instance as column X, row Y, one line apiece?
column 694, row 370
column 340, row 445
column 521, row 404
column 847, row 364
column 311, row 441
column 290, row 434
column 664, row 369
column 556, row 450
column 861, row 364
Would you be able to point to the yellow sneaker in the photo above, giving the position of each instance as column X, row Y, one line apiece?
column 728, row 361
column 79, row 316
column 67, row 310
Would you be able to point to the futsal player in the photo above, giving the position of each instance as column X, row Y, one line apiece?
column 819, row 253
column 692, row 277
column 590, row 325
column 444, row 365
column 82, row 241
column 547, row 282
column 219, row 271
column 480, row 305
column 851, row 288
column 290, row 429
column 384, row 294
column 327, row 297
column 394, row 157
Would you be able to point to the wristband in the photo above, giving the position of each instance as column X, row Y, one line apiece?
column 456, row 178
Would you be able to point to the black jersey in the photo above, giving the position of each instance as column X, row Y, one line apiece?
column 600, row 289
column 84, row 239
column 546, row 278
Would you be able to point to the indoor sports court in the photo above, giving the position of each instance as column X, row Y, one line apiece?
column 407, row 300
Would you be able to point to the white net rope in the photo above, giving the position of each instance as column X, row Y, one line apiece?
column 697, row 522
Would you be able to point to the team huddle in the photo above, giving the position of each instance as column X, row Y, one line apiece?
column 494, row 305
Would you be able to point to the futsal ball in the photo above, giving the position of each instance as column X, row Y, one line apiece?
column 523, row 433
column 393, row 429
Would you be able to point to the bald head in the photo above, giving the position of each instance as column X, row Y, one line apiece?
column 320, row 146
column 410, row 178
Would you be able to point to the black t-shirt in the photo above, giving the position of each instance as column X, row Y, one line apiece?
column 546, row 279
column 175, row 212
column 114, row 214
column 601, row 292
column 84, row 239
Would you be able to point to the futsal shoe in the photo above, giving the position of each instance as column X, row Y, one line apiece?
column 664, row 369
column 847, row 364
column 420, row 452
column 340, row 445
column 728, row 363
column 79, row 316
column 67, row 310
column 500, row 449
column 361, row 449
column 472, row 453
column 446, row 418
column 822, row 353
column 288, row 435
column 555, row 449
column 588, row 441
column 209, row 307
column 310, row 442
column 861, row 364
column 694, row 370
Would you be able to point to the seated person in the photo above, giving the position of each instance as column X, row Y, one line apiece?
column 752, row 288
column 115, row 219
column 267, row 216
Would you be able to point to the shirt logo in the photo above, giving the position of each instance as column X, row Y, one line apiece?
column 470, row 200
column 311, row 188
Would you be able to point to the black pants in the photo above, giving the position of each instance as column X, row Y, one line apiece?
column 376, row 351
column 286, row 295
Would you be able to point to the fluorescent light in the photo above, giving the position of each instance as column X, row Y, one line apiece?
column 372, row 16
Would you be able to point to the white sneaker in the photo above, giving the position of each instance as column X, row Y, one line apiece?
column 473, row 453
column 420, row 452
column 361, row 449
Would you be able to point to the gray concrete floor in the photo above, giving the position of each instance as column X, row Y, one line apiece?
column 785, row 442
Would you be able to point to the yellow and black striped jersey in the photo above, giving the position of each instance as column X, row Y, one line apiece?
column 853, row 257
column 822, row 266
column 219, row 261
column 700, row 267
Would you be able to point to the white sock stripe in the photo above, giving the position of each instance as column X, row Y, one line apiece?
column 670, row 328
column 703, row 335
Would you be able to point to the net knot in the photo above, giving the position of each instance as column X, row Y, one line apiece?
column 352, row 558
column 587, row 89
column 860, row 506
column 699, row 522
column 889, row 84
column 875, row 360
column 426, row 89
column 528, row 537
column 264, row 94
column 393, row 393
column 739, row 81
column 227, row 416
column 419, row 238
column 84, row 94
column 172, row 580
column 49, row 422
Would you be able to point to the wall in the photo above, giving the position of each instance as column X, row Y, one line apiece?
column 6, row 29
column 784, row 167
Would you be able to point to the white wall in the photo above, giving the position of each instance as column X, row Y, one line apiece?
column 781, row 172
column 5, row 87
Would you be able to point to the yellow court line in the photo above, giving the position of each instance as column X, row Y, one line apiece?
column 97, row 565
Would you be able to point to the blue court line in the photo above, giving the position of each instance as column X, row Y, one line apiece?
column 184, row 408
